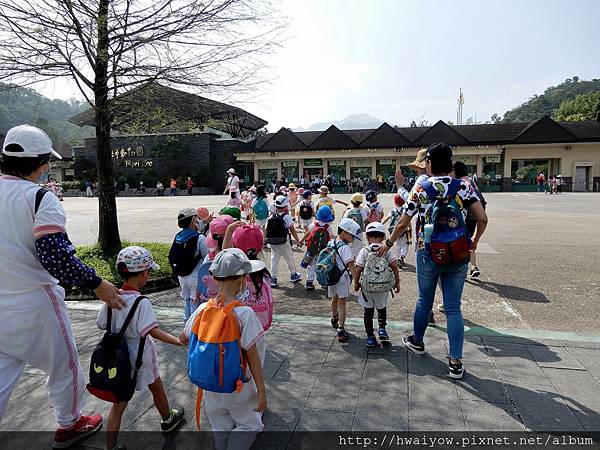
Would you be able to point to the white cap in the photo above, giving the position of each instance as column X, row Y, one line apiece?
column 351, row 227
column 32, row 140
column 232, row 170
column 233, row 262
column 375, row 227
column 136, row 259
column 187, row 212
column 282, row 202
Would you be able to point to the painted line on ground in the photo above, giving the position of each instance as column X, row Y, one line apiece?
column 396, row 325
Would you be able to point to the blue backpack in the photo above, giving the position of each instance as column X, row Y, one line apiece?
column 450, row 243
column 327, row 271
column 215, row 359
column 182, row 256
column 261, row 210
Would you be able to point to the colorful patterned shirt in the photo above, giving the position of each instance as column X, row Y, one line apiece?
column 420, row 203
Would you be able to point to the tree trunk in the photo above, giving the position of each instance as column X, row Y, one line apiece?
column 108, row 234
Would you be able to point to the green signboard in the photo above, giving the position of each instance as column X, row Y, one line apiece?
column 313, row 162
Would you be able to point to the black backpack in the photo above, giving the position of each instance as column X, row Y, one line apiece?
column 182, row 256
column 306, row 211
column 276, row 233
column 110, row 365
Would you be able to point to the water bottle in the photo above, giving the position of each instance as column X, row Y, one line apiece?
column 427, row 230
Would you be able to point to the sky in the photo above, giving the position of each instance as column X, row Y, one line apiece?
column 400, row 60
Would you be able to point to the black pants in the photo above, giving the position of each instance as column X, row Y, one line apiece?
column 368, row 318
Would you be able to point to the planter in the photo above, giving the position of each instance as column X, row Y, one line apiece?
column 158, row 285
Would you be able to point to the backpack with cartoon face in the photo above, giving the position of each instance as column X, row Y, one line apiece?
column 377, row 275
column 306, row 210
column 449, row 243
column 110, row 366
column 374, row 214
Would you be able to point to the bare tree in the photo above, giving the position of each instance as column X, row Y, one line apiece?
column 109, row 47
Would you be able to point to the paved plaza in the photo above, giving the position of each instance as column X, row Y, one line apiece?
column 532, row 352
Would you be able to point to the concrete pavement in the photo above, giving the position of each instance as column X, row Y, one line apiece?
column 316, row 384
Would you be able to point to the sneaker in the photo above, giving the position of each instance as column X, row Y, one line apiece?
column 335, row 320
column 371, row 342
column 310, row 286
column 295, row 277
column 84, row 427
column 475, row 272
column 342, row 335
column 383, row 337
column 455, row 371
column 174, row 421
column 412, row 345
column 431, row 319
column 441, row 308
column 274, row 282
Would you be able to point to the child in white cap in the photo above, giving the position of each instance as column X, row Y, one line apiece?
column 236, row 411
column 348, row 230
column 134, row 265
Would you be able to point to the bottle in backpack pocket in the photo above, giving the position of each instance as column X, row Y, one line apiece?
column 427, row 230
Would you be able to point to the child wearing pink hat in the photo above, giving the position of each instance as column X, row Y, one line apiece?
column 259, row 296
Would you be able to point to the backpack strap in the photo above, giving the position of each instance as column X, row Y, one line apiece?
column 453, row 188
column 198, row 406
column 340, row 256
column 39, row 195
column 129, row 316
column 431, row 192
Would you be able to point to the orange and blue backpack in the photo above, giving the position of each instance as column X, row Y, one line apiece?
column 215, row 359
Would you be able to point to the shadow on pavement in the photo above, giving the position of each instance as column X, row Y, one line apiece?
column 510, row 292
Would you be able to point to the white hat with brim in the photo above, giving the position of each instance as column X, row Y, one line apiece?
column 233, row 262
column 187, row 212
column 350, row 226
column 376, row 227
column 419, row 162
column 232, row 170
column 282, row 202
column 136, row 259
column 32, row 140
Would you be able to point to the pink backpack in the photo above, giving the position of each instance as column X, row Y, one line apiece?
column 263, row 306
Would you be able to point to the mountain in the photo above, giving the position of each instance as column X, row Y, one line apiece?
column 548, row 102
column 352, row 122
column 19, row 105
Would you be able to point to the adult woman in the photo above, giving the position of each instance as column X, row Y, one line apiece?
column 36, row 255
column 439, row 164
column 233, row 181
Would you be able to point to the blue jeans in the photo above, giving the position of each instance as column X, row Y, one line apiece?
column 452, row 283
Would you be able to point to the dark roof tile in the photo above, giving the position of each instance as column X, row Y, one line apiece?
column 284, row 139
column 332, row 138
column 385, row 137
column 544, row 130
column 440, row 132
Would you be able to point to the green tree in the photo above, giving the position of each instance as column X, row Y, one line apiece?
column 582, row 107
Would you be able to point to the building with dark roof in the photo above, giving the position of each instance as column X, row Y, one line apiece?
column 505, row 156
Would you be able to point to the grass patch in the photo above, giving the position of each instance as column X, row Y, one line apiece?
column 92, row 256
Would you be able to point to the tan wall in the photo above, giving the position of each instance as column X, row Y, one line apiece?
column 578, row 153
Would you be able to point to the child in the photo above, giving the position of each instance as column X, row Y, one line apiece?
column 403, row 242
column 293, row 197
column 188, row 221
column 374, row 207
column 234, row 198
column 217, row 230
column 318, row 230
column 249, row 239
column 279, row 227
column 369, row 301
column 232, row 211
column 260, row 208
column 306, row 211
column 348, row 230
column 325, row 200
column 246, row 200
column 237, row 411
column 359, row 215
column 134, row 265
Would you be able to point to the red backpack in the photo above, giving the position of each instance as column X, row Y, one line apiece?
column 317, row 239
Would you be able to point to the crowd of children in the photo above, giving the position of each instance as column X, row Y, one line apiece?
column 222, row 270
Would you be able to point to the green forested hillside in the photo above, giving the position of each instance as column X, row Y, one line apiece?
column 20, row 105
column 548, row 102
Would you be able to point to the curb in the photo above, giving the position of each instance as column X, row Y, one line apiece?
column 153, row 286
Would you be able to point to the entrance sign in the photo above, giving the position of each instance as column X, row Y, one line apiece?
column 313, row 162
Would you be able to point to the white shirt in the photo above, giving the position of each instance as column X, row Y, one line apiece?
column 251, row 331
column 20, row 267
column 233, row 181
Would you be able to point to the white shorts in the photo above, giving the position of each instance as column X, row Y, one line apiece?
column 341, row 289
column 306, row 223
column 261, row 223
column 378, row 300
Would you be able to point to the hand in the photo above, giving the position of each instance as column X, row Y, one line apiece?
column 210, row 218
column 474, row 245
column 399, row 178
column 109, row 294
column 383, row 250
column 183, row 338
column 357, row 286
column 261, row 404
column 397, row 288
